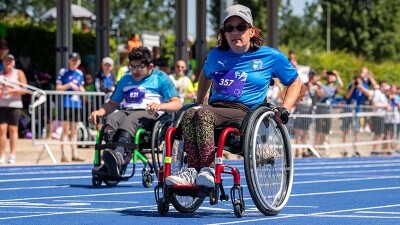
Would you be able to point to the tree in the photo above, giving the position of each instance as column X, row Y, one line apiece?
column 365, row 27
column 142, row 15
column 299, row 32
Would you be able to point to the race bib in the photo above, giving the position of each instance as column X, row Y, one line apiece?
column 229, row 82
column 134, row 95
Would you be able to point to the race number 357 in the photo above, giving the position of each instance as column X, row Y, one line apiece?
column 225, row 82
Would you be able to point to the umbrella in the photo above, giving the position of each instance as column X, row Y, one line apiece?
column 77, row 11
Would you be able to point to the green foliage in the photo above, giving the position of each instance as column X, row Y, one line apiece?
column 368, row 28
column 167, row 49
column 142, row 15
column 39, row 43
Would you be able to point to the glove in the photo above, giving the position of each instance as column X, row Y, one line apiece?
column 282, row 114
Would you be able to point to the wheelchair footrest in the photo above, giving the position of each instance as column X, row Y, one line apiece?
column 105, row 176
column 190, row 190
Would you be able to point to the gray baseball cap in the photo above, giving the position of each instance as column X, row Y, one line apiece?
column 240, row 11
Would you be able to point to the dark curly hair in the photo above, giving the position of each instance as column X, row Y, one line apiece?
column 141, row 54
column 255, row 42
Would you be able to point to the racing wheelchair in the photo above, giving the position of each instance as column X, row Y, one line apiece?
column 260, row 139
column 145, row 142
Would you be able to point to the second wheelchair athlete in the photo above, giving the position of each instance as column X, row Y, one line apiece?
column 147, row 93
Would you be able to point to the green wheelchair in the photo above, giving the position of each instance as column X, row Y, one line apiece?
column 147, row 147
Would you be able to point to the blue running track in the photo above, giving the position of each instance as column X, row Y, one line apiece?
column 325, row 191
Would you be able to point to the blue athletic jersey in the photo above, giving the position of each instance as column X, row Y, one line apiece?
column 157, row 88
column 64, row 77
column 357, row 97
column 245, row 78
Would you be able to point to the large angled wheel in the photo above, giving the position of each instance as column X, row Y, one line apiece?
column 183, row 204
column 158, row 142
column 268, row 161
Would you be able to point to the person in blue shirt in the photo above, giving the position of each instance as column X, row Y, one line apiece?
column 105, row 79
column 240, row 70
column 357, row 93
column 70, row 79
column 146, row 94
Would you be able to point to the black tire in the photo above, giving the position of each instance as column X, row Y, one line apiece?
column 83, row 134
column 96, row 182
column 162, row 207
column 158, row 142
column 268, row 161
column 111, row 183
column 147, row 180
column 238, row 208
column 183, row 204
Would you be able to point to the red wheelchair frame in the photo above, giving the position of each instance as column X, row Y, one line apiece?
column 198, row 193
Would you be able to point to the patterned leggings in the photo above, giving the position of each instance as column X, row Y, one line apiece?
column 198, row 132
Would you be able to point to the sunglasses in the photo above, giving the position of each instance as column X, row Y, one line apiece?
column 241, row 27
column 133, row 67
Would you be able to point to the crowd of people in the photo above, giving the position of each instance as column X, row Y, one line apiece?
column 363, row 94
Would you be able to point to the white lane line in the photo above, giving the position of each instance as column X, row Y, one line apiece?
column 346, row 172
column 45, row 178
column 89, row 201
column 79, row 196
column 58, row 186
column 42, row 172
column 344, row 167
column 346, row 179
column 345, row 192
column 76, row 212
column 396, row 161
column 374, row 212
column 320, row 214
column 32, row 188
column 358, row 216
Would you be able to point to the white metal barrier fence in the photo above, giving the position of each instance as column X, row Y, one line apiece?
column 67, row 106
column 344, row 130
column 324, row 130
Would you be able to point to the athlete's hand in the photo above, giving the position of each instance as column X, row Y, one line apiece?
column 94, row 117
column 281, row 115
column 153, row 107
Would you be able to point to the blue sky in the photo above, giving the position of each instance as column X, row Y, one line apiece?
column 297, row 5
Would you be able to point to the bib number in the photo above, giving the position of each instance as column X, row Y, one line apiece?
column 134, row 96
column 229, row 82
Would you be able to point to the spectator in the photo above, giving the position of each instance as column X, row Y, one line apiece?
column 303, row 106
column 292, row 59
column 89, row 83
column 134, row 42
column 147, row 93
column 123, row 70
column 105, row 79
column 357, row 92
column 182, row 83
column 89, row 87
column 381, row 106
column 162, row 64
column 10, row 106
column 70, row 79
column 326, row 93
column 393, row 119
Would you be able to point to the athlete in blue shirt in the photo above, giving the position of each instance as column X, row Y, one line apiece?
column 70, row 79
column 240, row 70
column 146, row 93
